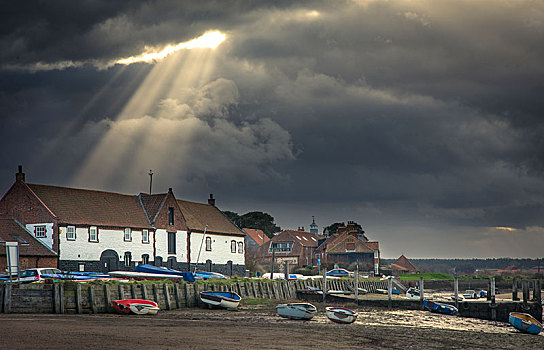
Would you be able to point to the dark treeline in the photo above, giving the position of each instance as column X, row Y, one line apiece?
column 466, row 266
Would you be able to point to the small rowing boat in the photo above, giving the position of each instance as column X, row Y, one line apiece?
column 226, row 300
column 341, row 314
column 525, row 322
column 296, row 311
column 440, row 307
column 136, row 306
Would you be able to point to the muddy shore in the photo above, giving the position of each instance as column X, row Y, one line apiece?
column 259, row 327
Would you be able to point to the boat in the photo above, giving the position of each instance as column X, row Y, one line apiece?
column 226, row 300
column 296, row 311
column 145, row 276
column 384, row 291
column 413, row 293
column 341, row 314
column 525, row 322
column 202, row 275
column 147, row 268
column 136, row 306
column 459, row 298
column 440, row 307
column 381, row 291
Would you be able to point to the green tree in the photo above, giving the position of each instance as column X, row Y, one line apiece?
column 256, row 220
column 333, row 228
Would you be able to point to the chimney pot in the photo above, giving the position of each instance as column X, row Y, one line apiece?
column 211, row 200
column 20, row 176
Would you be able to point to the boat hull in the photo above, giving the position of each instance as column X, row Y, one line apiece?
column 136, row 306
column 226, row 300
column 440, row 307
column 525, row 323
column 341, row 315
column 296, row 311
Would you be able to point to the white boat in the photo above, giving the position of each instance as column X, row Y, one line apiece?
column 227, row 300
column 341, row 314
column 459, row 298
column 296, row 311
column 470, row 294
column 413, row 293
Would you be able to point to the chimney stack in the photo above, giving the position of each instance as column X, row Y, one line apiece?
column 211, row 200
column 20, row 176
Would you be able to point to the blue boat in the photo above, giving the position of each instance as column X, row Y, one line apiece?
column 202, row 275
column 227, row 300
column 440, row 307
column 187, row 276
column 525, row 322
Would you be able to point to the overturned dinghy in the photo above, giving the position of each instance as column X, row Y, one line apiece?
column 341, row 314
column 227, row 300
column 296, row 311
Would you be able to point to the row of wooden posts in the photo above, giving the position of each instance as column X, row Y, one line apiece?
column 97, row 298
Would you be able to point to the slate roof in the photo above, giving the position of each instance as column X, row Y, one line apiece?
column 89, row 207
column 12, row 231
column 198, row 215
column 305, row 239
column 256, row 235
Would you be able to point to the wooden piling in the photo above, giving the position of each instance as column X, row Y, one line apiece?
column 144, row 291
column 6, row 302
column 79, row 307
column 56, row 298
column 515, row 290
column 133, row 291
column 92, row 300
column 167, row 296
column 421, row 292
column 62, row 301
column 178, row 296
column 107, row 296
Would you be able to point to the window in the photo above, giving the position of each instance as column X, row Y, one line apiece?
column 128, row 258
column 128, row 235
column 71, row 233
column 171, row 216
column 233, row 246
column 171, row 243
column 145, row 236
column 208, row 244
column 240, row 247
column 39, row 231
column 281, row 246
column 145, row 259
column 93, row 234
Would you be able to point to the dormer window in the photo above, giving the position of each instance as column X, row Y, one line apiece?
column 39, row 231
column 171, row 216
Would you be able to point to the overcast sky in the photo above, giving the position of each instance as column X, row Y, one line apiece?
column 420, row 120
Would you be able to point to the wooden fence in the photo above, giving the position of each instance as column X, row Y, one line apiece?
column 70, row 297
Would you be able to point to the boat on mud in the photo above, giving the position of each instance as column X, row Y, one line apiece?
column 341, row 314
column 136, row 306
column 413, row 293
column 525, row 322
column 226, row 300
column 440, row 307
column 296, row 311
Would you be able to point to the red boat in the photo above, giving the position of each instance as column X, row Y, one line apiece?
column 136, row 306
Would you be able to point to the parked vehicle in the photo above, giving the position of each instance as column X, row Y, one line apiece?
column 470, row 294
column 37, row 274
column 339, row 272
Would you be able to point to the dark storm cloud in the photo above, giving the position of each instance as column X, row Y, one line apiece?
column 397, row 114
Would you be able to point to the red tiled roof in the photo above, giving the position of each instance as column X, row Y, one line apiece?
column 199, row 215
column 89, row 207
column 152, row 204
column 405, row 263
column 12, row 231
column 257, row 235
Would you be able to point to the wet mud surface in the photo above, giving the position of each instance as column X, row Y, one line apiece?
column 258, row 327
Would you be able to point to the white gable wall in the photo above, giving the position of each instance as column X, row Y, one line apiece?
column 221, row 250
column 161, row 244
column 48, row 239
column 82, row 249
